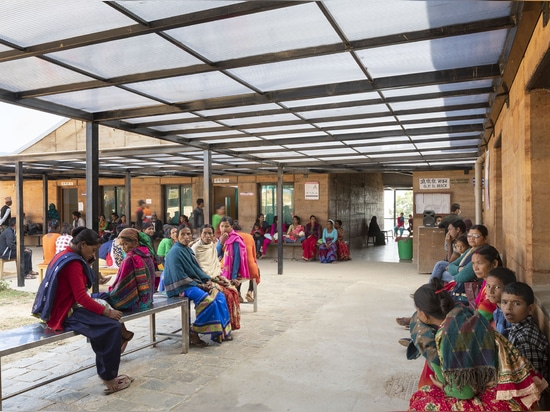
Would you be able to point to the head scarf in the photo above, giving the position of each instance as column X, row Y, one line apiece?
column 130, row 234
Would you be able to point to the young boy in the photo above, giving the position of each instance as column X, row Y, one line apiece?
column 494, row 284
column 517, row 304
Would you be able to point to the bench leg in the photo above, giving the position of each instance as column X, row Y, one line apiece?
column 1, row 272
column 1, row 397
column 185, row 327
column 153, row 328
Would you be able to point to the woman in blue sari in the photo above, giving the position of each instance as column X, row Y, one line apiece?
column 328, row 250
column 184, row 277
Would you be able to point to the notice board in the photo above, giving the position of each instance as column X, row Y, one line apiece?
column 438, row 202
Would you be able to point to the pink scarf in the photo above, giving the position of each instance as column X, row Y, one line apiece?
column 228, row 257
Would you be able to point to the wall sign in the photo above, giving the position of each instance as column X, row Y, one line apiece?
column 221, row 180
column 312, row 190
column 434, row 183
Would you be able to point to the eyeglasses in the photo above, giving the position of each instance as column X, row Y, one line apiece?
column 474, row 236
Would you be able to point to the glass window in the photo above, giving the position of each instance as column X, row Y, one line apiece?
column 268, row 202
column 114, row 200
column 178, row 201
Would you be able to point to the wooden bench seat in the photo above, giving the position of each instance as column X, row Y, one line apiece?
column 35, row 335
column 33, row 240
column 2, row 261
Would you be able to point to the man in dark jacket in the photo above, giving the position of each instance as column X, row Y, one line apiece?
column 8, row 250
column 5, row 214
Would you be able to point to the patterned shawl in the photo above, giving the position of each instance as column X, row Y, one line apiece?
column 134, row 284
column 467, row 350
column 181, row 270
column 229, row 258
column 207, row 256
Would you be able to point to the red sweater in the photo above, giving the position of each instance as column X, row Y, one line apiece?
column 71, row 289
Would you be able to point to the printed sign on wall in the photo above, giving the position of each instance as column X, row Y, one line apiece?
column 312, row 190
column 434, row 183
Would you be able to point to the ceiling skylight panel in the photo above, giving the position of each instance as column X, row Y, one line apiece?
column 260, row 119
column 316, row 133
column 160, row 118
column 31, row 22
column 385, row 148
column 332, row 151
column 442, row 114
column 438, row 54
column 153, row 10
column 332, row 99
column 345, row 111
column 442, row 102
column 366, row 129
column 187, row 126
column 100, row 100
column 436, row 88
column 447, row 144
column 126, row 56
column 360, row 19
column 227, row 133
column 378, row 140
column 283, row 154
column 312, row 71
column 192, row 87
column 270, row 31
column 444, row 123
column 239, row 109
column 259, row 148
column 356, row 122
column 261, row 130
column 34, row 73
column 232, row 140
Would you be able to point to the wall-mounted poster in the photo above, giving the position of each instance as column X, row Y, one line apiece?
column 440, row 203
column 312, row 190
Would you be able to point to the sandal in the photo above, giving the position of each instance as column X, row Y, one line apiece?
column 117, row 384
column 104, row 280
column 196, row 341
column 228, row 338
column 30, row 276
column 249, row 297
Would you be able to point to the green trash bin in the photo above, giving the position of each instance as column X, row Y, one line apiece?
column 405, row 248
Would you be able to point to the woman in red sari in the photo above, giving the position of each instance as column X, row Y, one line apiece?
column 313, row 233
column 343, row 248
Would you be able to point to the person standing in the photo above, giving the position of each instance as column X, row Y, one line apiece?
column 140, row 214
column 198, row 217
column 453, row 217
column 5, row 214
column 8, row 250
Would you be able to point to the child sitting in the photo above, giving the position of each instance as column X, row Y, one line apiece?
column 495, row 282
column 517, row 303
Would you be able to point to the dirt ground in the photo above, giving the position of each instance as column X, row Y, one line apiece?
column 15, row 309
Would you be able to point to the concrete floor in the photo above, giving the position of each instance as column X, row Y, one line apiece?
column 324, row 339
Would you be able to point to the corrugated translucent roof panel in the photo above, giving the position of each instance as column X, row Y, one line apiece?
column 260, row 119
column 239, row 109
column 438, row 54
column 332, row 99
column 442, row 102
column 375, row 108
column 100, row 100
column 160, row 118
column 151, row 10
column 30, row 22
column 362, row 19
column 192, row 87
column 301, row 72
column 34, row 73
column 126, row 56
column 271, row 31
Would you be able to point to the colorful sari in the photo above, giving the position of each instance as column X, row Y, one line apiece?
column 228, row 259
column 328, row 249
column 212, row 316
column 135, row 281
column 343, row 248
column 309, row 244
column 207, row 257
column 473, row 357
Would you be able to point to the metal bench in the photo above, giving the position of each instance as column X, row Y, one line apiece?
column 35, row 335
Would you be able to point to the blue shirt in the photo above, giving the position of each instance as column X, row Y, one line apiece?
column 501, row 324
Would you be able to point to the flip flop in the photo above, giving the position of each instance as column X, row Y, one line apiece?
column 198, row 343
column 122, row 382
column 104, row 280
column 29, row 276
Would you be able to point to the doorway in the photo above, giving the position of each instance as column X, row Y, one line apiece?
column 228, row 196
column 69, row 203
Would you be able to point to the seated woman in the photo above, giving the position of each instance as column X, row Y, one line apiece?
column 258, row 234
column 134, row 284
column 313, row 232
column 232, row 252
column 484, row 260
column 296, row 232
column 207, row 257
column 170, row 238
column 63, row 303
column 475, row 368
column 327, row 244
column 184, row 277
column 375, row 232
column 273, row 234
column 343, row 249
